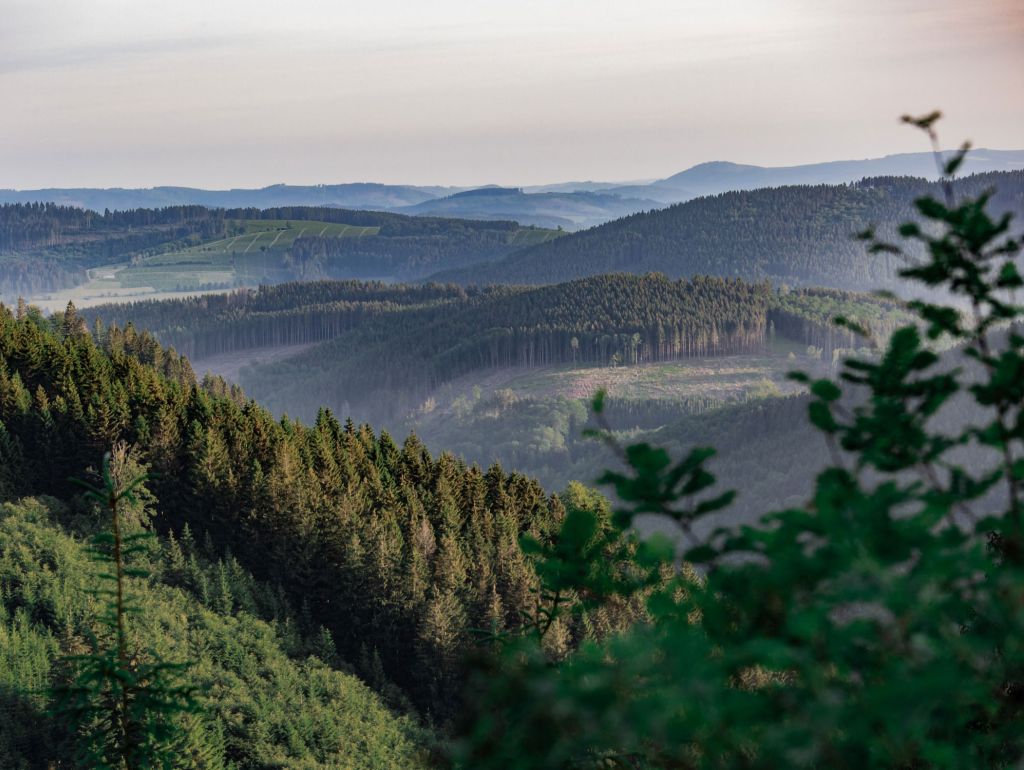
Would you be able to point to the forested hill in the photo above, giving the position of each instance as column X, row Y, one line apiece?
column 396, row 553
column 797, row 235
column 286, row 314
column 395, row 342
column 55, row 228
column 46, row 247
column 409, row 248
column 393, row 360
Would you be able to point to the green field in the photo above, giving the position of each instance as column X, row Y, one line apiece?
column 251, row 257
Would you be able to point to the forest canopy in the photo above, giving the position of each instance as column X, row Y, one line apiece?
column 800, row 235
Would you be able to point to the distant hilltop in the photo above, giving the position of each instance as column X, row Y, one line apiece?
column 570, row 205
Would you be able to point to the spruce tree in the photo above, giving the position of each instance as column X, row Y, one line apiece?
column 127, row 705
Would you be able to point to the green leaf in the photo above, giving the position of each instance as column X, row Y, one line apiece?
column 826, row 390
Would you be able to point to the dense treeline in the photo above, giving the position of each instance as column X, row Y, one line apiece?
column 606, row 320
column 800, row 235
column 283, row 314
column 395, row 552
column 400, row 256
column 47, row 226
column 630, row 321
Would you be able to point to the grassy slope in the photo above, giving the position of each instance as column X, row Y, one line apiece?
column 252, row 257
column 267, row 708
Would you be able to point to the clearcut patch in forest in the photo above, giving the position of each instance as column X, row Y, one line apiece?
column 533, row 420
column 722, row 378
column 100, row 291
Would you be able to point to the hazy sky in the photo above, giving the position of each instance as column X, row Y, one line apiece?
column 220, row 93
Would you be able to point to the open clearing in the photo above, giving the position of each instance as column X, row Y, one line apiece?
column 103, row 288
column 725, row 378
column 249, row 258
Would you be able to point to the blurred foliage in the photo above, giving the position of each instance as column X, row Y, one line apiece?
column 879, row 625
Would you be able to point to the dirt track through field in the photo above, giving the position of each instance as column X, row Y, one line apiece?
column 255, row 238
column 279, row 234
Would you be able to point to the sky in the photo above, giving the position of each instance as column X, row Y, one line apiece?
column 229, row 93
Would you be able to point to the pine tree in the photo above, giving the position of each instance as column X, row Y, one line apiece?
column 127, row 706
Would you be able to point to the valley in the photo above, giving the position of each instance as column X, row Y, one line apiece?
column 368, row 436
column 512, row 386
column 429, row 360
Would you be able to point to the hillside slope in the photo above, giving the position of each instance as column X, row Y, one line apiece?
column 390, row 362
column 796, row 235
column 722, row 176
column 572, row 210
column 268, row 701
column 46, row 248
column 395, row 552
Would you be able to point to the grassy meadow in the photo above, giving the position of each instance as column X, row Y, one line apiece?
column 253, row 255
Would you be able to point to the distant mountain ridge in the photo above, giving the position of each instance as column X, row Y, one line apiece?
column 568, row 210
column 723, row 176
column 356, row 195
column 570, row 205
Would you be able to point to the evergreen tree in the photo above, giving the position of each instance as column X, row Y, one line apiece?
column 127, row 706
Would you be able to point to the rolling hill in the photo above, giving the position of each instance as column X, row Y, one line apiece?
column 721, row 176
column 571, row 205
column 570, row 210
column 53, row 254
column 801, row 235
column 360, row 195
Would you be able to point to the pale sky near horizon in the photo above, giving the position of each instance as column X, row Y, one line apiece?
column 233, row 93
